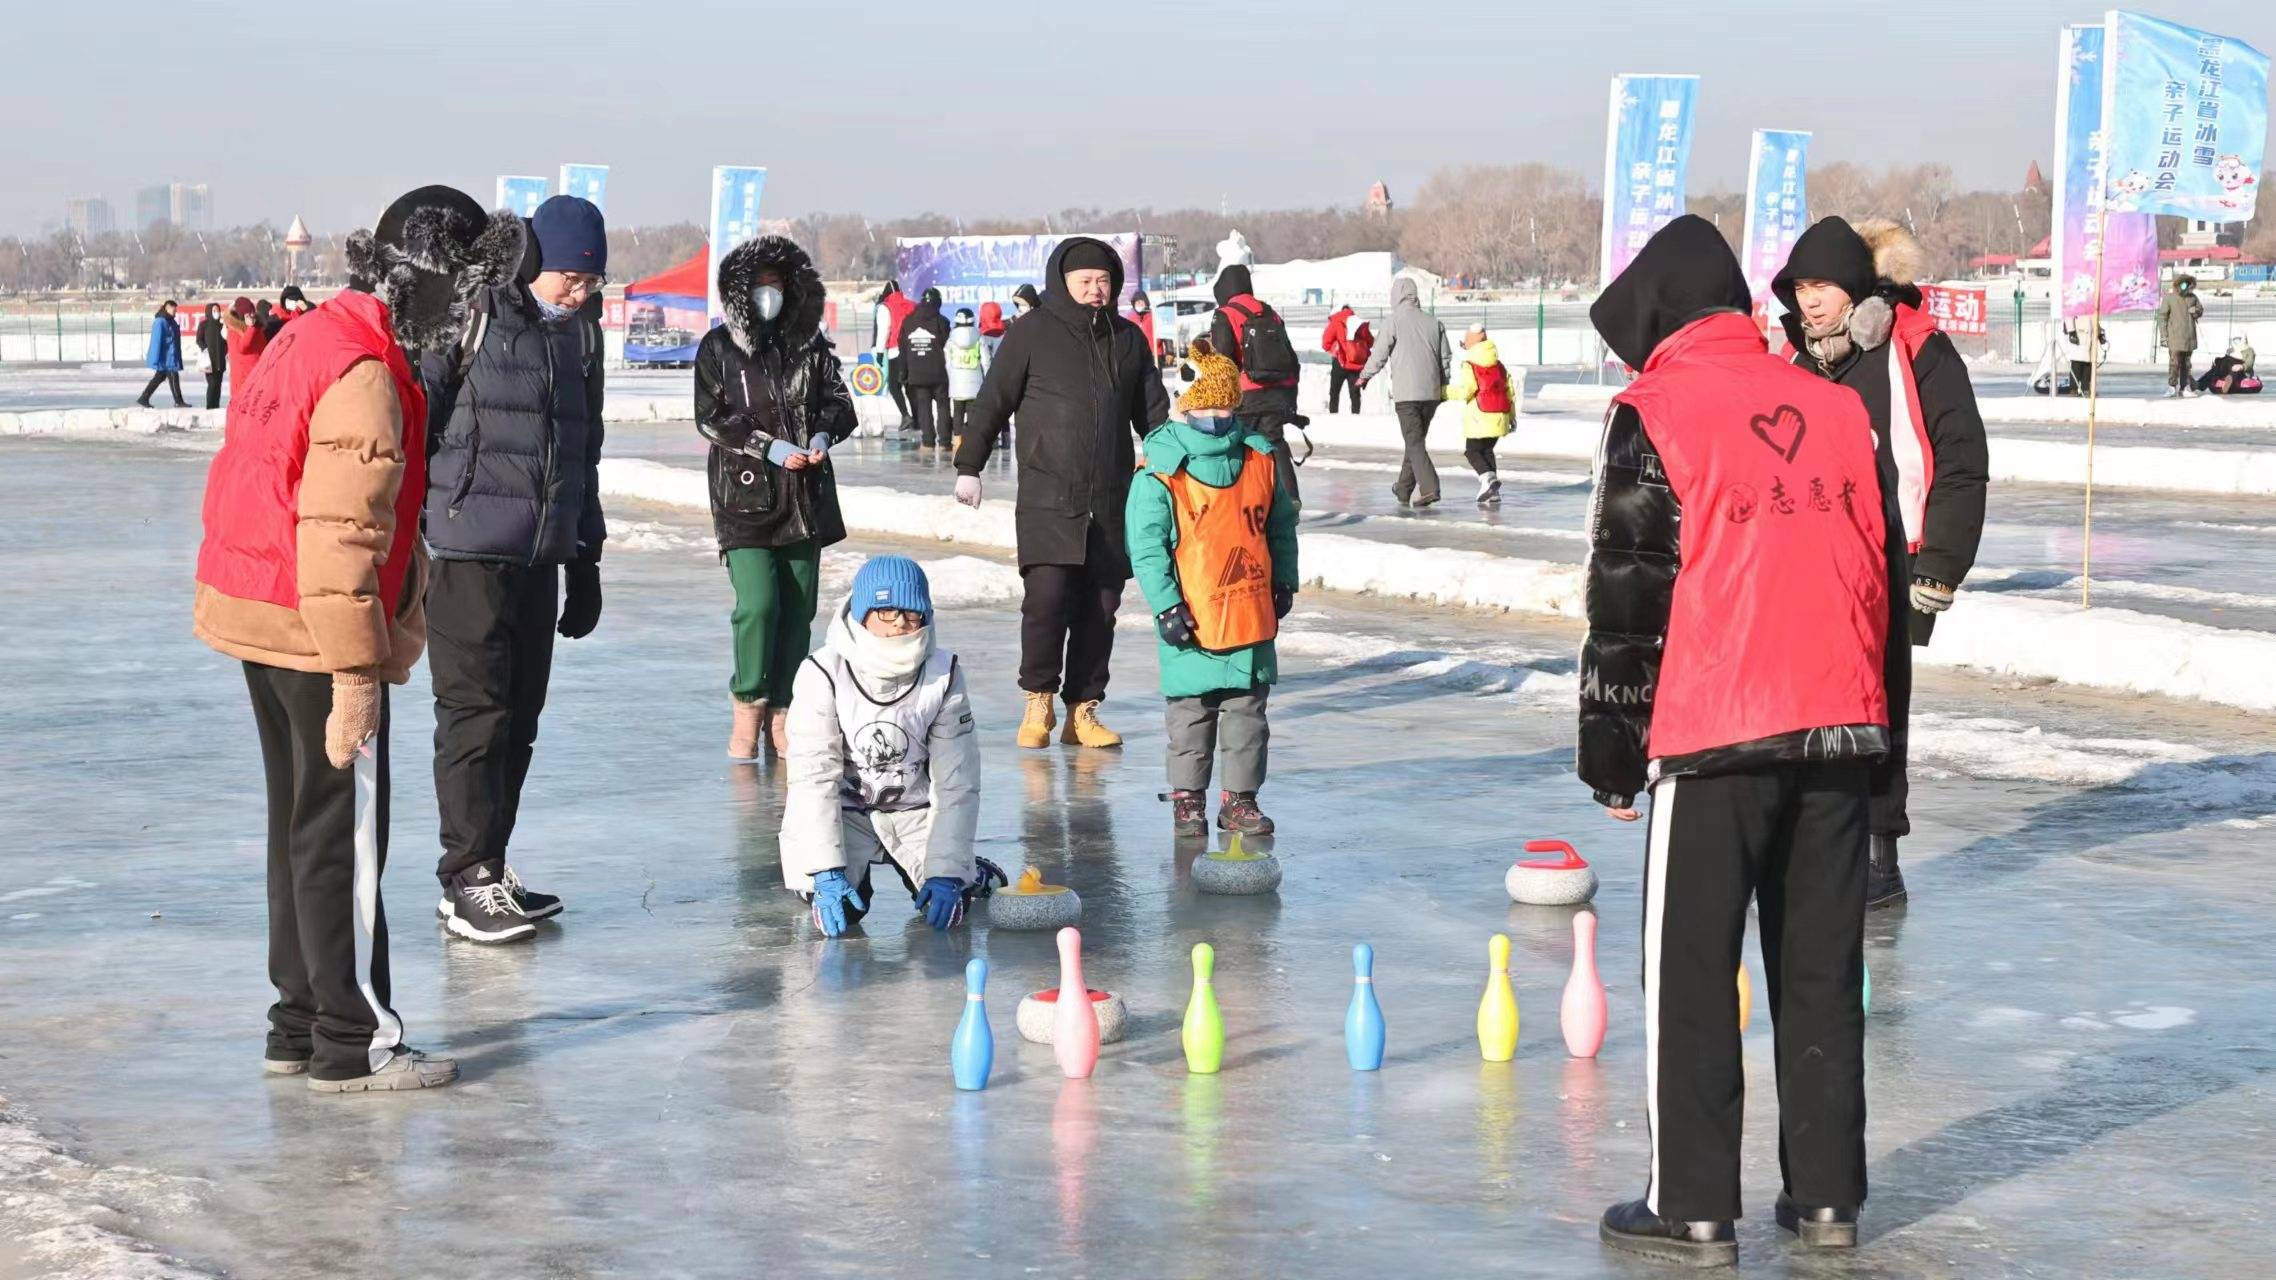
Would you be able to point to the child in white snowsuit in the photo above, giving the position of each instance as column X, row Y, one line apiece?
column 883, row 764
column 967, row 367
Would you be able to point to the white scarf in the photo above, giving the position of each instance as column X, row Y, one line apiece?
column 884, row 664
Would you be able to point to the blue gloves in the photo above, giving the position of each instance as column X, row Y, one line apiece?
column 831, row 894
column 942, row 901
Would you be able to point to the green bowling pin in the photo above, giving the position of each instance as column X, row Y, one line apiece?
column 1204, row 1035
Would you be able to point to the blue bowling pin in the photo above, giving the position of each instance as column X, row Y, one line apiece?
column 973, row 1052
column 1363, row 1025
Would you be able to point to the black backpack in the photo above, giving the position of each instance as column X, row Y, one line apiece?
column 1267, row 357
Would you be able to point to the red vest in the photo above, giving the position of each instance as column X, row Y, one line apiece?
column 897, row 309
column 1779, row 617
column 1493, row 387
column 252, row 494
column 1237, row 311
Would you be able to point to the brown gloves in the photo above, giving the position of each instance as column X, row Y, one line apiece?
column 354, row 719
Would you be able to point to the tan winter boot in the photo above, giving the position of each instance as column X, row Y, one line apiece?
column 743, row 739
column 778, row 731
column 1035, row 723
column 1084, row 729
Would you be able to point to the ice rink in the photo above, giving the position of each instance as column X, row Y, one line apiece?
column 2069, row 1052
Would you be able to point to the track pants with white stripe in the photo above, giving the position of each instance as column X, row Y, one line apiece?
column 1792, row 837
column 327, row 847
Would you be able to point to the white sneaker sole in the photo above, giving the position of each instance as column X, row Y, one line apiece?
column 543, row 913
column 432, row 1076
column 466, row 930
column 284, row 1066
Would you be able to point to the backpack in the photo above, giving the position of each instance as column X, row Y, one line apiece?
column 1267, row 357
column 1493, row 387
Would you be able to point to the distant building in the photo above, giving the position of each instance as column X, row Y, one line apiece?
column 2033, row 182
column 1379, row 201
column 88, row 215
column 187, row 205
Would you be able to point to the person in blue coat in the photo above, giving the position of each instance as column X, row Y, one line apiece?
column 165, row 357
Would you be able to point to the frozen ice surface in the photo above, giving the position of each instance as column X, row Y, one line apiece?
column 2070, row 1050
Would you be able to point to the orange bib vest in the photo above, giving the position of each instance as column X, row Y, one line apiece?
column 1224, row 565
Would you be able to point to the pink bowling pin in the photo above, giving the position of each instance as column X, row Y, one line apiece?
column 1582, row 1014
column 1074, row 1036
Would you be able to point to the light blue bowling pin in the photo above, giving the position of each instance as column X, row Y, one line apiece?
column 1363, row 1025
column 973, row 1052
column 1866, row 1002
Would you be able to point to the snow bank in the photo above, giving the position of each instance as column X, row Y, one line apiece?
column 67, row 1214
column 2117, row 411
column 2108, row 649
column 108, row 422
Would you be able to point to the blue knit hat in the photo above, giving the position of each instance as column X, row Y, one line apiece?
column 571, row 236
column 890, row 582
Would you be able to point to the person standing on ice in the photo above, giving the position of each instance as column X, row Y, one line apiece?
column 1348, row 342
column 2175, row 325
column 1489, row 405
column 884, row 764
column 1079, row 378
column 164, row 358
column 967, row 366
column 893, row 306
column 1246, row 330
column 771, row 398
column 1413, row 347
column 514, row 524
column 312, row 574
column 213, row 348
column 246, row 343
column 1737, row 594
column 1850, row 308
column 924, row 369
column 1213, row 542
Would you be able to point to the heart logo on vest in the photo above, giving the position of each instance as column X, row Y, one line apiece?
column 1782, row 430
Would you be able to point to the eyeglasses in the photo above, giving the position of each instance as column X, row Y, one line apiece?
column 909, row 619
column 581, row 282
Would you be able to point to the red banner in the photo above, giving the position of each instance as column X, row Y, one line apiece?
column 1957, row 309
column 612, row 313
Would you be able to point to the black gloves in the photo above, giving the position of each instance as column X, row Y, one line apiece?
column 1176, row 625
column 1283, row 599
column 581, row 611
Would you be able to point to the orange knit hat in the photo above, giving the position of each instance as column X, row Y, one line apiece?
column 1216, row 385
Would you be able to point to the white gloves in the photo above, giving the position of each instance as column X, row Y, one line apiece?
column 968, row 492
column 1931, row 596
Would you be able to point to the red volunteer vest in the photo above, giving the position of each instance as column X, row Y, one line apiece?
column 1779, row 617
column 1223, row 561
column 252, row 493
column 897, row 309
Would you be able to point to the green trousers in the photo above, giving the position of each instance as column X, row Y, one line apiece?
column 775, row 596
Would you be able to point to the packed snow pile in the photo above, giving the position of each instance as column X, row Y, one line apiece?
column 2034, row 410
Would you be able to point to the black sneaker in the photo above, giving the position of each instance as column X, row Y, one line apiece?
column 1819, row 1228
column 1884, row 882
column 1631, row 1226
column 481, row 909
column 1189, row 813
column 1237, row 811
column 535, row 905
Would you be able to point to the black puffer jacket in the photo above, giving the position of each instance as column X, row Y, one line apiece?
column 757, row 382
column 924, row 344
column 1086, row 390
column 514, row 438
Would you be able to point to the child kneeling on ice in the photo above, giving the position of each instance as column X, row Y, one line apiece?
column 1489, row 405
column 1213, row 545
column 883, row 764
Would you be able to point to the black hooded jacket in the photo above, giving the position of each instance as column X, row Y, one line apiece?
column 757, row 382
column 1952, row 527
column 924, row 343
column 1085, row 389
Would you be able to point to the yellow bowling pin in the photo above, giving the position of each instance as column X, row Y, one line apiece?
column 1746, row 996
column 1497, row 1012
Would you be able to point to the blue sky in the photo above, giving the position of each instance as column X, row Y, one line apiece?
column 975, row 108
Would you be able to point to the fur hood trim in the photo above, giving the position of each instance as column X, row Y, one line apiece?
column 1897, row 256
column 430, row 275
column 802, row 292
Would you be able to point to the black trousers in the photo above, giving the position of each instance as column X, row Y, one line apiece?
column 1066, row 631
column 929, row 408
column 490, row 653
column 1418, row 475
column 894, row 384
column 1478, row 451
column 327, row 848
column 169, row 379
column 1339, row 380
column 960, row 417
column 1272, row 424
column 213, row 388
column 1792, row 837
column 1891, row 788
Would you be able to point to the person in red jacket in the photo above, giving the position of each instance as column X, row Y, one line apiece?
column 313, row 575
column 246, row 342
column 893, row 309
column 1737, row 601
column 1348, row 349
column 1142, row 315
column 1246, row 330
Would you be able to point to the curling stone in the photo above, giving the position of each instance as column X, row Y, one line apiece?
column 1032, row 904
column 1551, row 882
column 1235, row 871
column 1038, row 1012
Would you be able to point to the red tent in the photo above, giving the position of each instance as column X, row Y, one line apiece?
column 664, row 317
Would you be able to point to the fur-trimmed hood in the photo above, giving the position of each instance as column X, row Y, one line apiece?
column 1897, row 257
column 802, row 292
column 432, row 253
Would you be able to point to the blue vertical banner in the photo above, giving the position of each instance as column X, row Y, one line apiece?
column 521, row 194
column 2186, row 113
column 1647, row 148
column 2125, row 244
column 1778, row 207
column 587, row 182
column 735, row 192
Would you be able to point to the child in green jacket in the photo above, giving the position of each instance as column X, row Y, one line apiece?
column 1213, row 544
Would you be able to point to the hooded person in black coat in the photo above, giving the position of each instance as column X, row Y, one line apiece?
column 924, row 368
column 1933, row 546
column 1085, row 390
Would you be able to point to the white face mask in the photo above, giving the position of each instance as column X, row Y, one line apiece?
column 767, row 300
